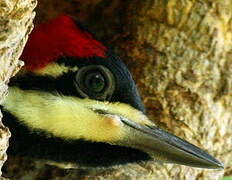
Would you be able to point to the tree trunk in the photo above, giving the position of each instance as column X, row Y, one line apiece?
column 180, row 53
column 15, row 24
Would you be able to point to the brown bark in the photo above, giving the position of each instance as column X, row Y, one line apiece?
column 15, row 23
column 180, row 53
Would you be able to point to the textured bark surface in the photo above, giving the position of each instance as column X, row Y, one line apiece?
column 15, row 23
column 180, row 53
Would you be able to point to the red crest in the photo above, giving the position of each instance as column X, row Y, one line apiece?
column 57, row 38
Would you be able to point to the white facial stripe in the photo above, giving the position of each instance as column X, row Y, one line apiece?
column 64, row 117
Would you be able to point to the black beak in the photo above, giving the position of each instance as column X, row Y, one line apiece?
column 166, row 147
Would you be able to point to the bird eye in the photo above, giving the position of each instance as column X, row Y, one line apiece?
column 95, row 82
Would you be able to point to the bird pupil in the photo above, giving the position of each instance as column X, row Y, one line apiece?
column 96, row 82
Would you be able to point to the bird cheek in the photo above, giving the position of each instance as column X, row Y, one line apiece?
column 113, row 121
column 110, row 129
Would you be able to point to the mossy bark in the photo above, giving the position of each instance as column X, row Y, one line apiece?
column 180, row 54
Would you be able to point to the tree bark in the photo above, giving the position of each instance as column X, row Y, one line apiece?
column 15, row 24
column 180, row 53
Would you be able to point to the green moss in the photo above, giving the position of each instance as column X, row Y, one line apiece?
column 227, row 178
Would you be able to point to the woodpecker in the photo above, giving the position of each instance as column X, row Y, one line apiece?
column 76, row 102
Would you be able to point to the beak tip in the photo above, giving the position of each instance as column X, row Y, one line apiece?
column 219, row 166
column 216, row 165
column 212, row 163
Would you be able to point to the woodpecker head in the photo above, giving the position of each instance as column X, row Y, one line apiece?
column 75, row 101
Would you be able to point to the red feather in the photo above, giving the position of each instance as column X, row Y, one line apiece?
column 59, row 37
